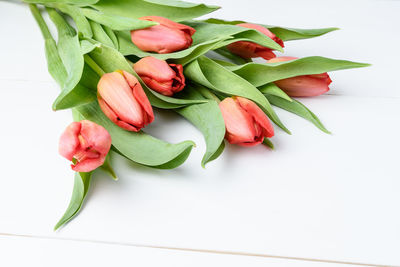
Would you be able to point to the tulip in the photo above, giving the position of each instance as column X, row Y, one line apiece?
column 86, row 144
column 160, row 76
column 167, row 37
column 246, row 124
column 304, row 85
column 123, row 101
column 249, row 49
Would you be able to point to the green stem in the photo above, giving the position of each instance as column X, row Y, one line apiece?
column 94, row 65
column 207, row 94
column 268, row 143
column 40, row 21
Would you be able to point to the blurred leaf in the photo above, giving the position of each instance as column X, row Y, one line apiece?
column 100, row 35
column 262, row 73
column 297, row 108
column 171, row 9
column 214, row 76
column 72, row 2
column 80, row 20
column 81, row 187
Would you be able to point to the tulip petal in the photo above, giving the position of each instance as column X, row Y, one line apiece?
column 239, row 124
column 88, row 164
column 154, row 68
column 281, row 59
column 140, row 97
column 303, row 86
column 69, row 142
column 117, row 93
column 96, row 136
column 263, row 30
column 170, row 24
column 258, row 115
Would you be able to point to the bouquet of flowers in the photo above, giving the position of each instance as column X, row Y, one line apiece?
column 117, row 60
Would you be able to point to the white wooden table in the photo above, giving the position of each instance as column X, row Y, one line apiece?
column 317, row 200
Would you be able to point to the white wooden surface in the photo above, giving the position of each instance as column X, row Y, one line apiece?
column 320, row 199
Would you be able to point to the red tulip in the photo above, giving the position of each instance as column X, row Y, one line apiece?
column 246, row 124
column 167, row 37
column 304, row 85
column 86, row 144
column 250, row 50
column 160, row 76
column 122, row 99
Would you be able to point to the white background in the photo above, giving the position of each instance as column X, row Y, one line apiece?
column 317, row 200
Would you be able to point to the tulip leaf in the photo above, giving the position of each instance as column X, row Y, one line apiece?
column 116, row 22
column 81, row 187
column 139, row 147
column 273, row 89
column 107, row 168
column 286, row 34
column 268, row 143
column 82, row 24
column 171, row 9
column 207, row 37
column 100, row 35
column 262, row 73
column 111, row 60
column 297, row 108
column 207, row 117
column 70, row 53
column 112, row 36
column 214, row 76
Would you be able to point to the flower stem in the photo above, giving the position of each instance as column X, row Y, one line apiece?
column 94, row 65
column 40, row 21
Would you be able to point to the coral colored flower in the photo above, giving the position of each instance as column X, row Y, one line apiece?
column 167, row 37
column 86, row 144
column 160, row 76
column 122, row 99
column 249, row 49
column 246, row 124
column 304, row 85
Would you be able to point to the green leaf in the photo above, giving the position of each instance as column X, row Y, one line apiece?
column 174, row 10
column 54, row 63
column 112, row 36
column 286, row 34
column 207, row 117
column 111, row 60
column 81, row 187
column 116, row 22
column 82, row 24
column 207, row 37
column 273, row 89
column 106, row 167
column 69, row 50
column 268, row 143
column 262, row 73
column 139, row 147
column 72, row 2
column 214, row 76
column 100, row 35
column 297, row 108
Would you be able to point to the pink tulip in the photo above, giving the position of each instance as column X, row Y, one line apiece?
column 86, row 144
column 167, row 37
column 304, row 85
column 122, row 99
column 246, row 124
column 160, row 76
column 250, row 50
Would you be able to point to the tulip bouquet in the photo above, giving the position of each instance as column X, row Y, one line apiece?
column 117, row 60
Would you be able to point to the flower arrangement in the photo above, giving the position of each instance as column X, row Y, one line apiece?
column 116, row 61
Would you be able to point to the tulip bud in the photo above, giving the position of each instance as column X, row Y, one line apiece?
column 304, row 85
column 167, row 37
column 86, row 144
column 123, row 101
column 246, row 124
column 160, row 76
column 248, row 50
